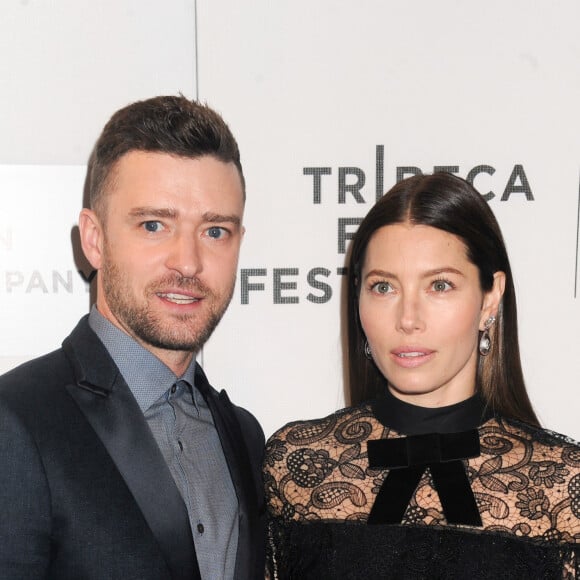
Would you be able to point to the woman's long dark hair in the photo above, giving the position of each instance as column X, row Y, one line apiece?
column 451, row 204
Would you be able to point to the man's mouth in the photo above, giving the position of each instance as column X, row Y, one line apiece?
column 178, row 298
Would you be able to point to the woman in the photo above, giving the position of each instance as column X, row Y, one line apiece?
column 440, row 468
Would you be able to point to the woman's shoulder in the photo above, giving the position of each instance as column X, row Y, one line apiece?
column 325, row 440
column 540, row 436
column 312, row 465
column 309, row 431
column 537, row 453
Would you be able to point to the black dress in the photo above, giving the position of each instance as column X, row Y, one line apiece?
column 391, row 490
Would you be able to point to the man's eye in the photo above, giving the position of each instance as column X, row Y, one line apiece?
column 216, row 232
column 381, row 288
column 152, row 226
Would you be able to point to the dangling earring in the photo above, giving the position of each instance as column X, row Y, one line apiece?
column 485, row 340
column 368, row 352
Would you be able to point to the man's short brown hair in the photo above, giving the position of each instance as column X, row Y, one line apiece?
column 165, row 124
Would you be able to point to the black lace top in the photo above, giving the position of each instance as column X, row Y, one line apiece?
column 389, row 490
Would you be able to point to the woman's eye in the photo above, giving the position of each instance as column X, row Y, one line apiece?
column 441, row 286
column 381, row 287
column 152, row 226
column 216, row 232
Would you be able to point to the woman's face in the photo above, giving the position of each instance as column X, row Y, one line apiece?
column 421, row 307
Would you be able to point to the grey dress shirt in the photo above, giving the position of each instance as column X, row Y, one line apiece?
column 183, row 427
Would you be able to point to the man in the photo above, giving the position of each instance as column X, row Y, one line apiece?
column 117, row 459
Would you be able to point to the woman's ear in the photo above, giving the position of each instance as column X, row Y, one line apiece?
column 91, row 233
column 492, row 299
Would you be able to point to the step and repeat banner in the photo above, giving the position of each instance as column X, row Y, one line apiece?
column 332, row 102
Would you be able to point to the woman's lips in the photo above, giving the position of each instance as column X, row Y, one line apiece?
column 411, row 357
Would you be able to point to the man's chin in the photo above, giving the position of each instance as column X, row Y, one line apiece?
column 183, row 333
column 181, row 344
column 170, row 339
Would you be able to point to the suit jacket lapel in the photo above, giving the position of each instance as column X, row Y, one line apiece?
column 110, row 408
column 240, row 467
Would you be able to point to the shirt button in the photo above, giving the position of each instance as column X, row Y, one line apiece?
column 200, row 528
column 173, row 389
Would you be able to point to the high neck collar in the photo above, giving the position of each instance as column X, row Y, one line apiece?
column 409, row 419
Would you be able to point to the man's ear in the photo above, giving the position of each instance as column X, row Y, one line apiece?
column 492, row 299
column 91, row 232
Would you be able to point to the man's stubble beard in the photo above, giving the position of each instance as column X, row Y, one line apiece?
column 186, row 333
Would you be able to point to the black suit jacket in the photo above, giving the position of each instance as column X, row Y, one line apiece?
column 85, row 493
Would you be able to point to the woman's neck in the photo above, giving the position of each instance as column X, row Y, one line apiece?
column 409, row 419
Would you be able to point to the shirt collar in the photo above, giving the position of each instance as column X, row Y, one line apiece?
column 147, row 377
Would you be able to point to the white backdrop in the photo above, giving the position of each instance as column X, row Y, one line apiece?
column 330, row 101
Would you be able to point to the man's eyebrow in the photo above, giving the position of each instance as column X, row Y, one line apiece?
column 169, row 213
column 160, row 212
column 218, row 218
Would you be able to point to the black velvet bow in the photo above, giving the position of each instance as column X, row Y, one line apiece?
column 408, row 457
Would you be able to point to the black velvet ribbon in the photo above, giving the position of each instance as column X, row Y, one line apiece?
column 407, row 458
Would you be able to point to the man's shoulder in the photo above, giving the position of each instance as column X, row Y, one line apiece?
column 250, row 426
column 43, row 373
column 248, row 422
column 45, row 368
column 32, row 394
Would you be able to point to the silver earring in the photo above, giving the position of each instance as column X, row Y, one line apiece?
column 485, row 340
column 368, row 352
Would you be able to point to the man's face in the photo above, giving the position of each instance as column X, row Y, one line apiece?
column 170, row 236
